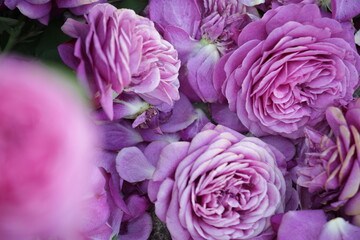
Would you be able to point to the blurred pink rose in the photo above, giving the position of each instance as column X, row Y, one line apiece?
column 45, row 146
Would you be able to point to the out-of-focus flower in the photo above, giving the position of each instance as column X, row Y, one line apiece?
column 331, row 167
column 221, row 185
column 46, row 143
column 118, row 51
column 288, row 69
column 201, row 32
column 312, row 225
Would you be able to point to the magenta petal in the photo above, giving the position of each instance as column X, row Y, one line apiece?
column 344, row 10
column 183, row 115
column 190, row 132
column 276, row 221
column 284, row 145
column 163, row 198
column 300, row 225
column 138, row 229
column 153, row 189
column 352, row 207
column 153, row 150
column 180, row 13
column 74, row 28
column 119, row 135
column 221, row 114
column 174, row 151
column 137, row 206
column 173, row 221
column 97, row 212
column 200, row 76
column 182, row 42
column 133, row 166
column 124, row 106
column 103, row 232
column 66, row 53
column 339, row 229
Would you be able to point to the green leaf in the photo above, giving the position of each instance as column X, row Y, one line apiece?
column 136, row 5
column 50, row 39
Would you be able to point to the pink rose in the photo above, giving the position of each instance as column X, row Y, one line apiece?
column 118, row 51
column 289, row 67
column 45, row 146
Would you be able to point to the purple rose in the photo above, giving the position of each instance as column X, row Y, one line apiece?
column 118, row 51
column 201, row 31
column 221, row 185
column 331, row 167
column 290, row 66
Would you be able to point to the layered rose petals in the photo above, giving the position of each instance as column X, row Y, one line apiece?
column 331, row 170
column 118, row 51
column 221, row 185
column 288, row 69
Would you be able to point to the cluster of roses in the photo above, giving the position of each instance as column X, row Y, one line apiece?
column 229, row 119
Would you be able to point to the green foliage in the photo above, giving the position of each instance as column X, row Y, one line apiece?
column 137, row 5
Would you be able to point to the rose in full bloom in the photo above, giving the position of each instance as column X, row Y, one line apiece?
column 221, row 185
column 46, row 142
column 331, row 166
column 118, row 51
column 289, row 67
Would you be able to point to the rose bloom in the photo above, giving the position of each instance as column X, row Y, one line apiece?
column 117, row 51
column 46, row 142
column 201, row 32
column 290, row 66
column 221, row 185
column 331, row 167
